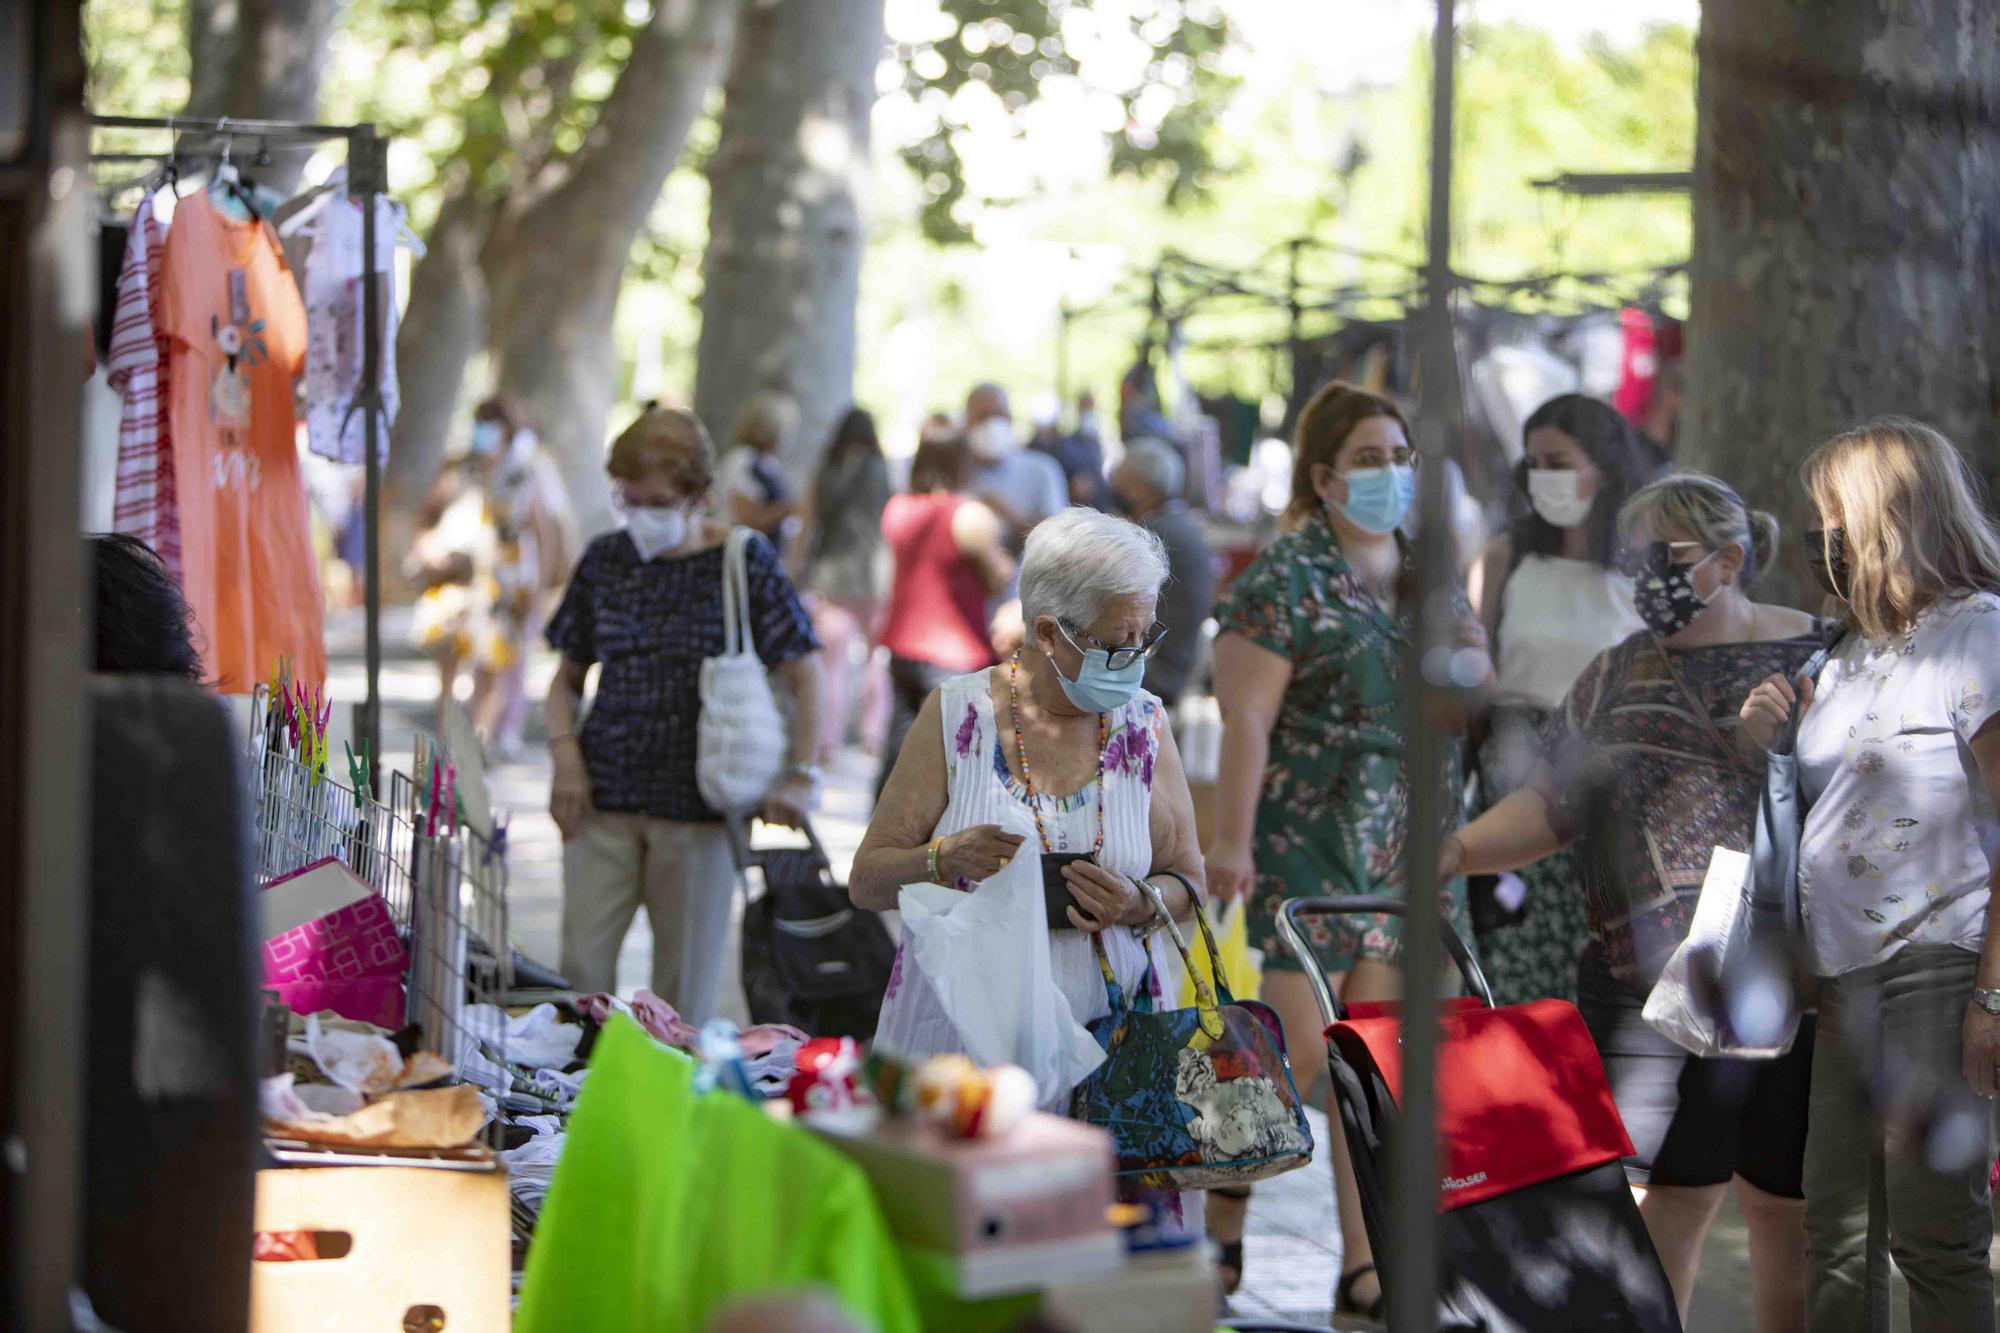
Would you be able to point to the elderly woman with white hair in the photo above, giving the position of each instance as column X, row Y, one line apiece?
column 1063, row 733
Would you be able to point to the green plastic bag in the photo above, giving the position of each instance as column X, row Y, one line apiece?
column 670, row 1205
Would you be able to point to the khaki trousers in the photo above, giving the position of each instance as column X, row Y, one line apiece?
column 1895, row 1136
column 684, row 876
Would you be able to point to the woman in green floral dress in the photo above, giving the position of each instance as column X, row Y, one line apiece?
column 1311, row 793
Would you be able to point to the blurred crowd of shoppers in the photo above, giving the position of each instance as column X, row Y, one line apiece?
column 992, row 625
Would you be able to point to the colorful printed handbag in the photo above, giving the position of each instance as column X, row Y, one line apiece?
column 1193, row 1098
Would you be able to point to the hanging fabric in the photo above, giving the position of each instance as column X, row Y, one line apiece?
column 136, row 366
column 331, row 230
column 237, row 328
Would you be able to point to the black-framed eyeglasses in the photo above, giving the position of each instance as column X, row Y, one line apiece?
column 1116, row 657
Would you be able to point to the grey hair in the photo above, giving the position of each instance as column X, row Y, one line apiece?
column 1693, row 506
column 1076, row 561
column 1157, row 464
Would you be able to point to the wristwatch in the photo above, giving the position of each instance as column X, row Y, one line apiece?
column 1989, row 1000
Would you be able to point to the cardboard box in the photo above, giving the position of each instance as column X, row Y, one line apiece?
column 1173, row 1291
column 330, row 943
column 1010, row 1214
column 420, row 1237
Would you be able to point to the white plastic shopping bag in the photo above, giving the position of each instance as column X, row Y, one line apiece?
column 1694, row 1006
column 986, row 954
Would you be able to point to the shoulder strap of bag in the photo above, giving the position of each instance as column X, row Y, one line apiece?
column 1787, row 740
column 1715, row 733
column 736, row 636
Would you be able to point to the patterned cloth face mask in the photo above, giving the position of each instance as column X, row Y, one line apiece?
column 1662, row 591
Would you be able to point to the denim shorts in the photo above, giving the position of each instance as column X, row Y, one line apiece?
column 1695, row 1121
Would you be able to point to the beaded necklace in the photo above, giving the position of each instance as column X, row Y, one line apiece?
column 1027, row 775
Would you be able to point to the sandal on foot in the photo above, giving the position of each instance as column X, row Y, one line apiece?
column 1229, row 1266
column 1343, row 1296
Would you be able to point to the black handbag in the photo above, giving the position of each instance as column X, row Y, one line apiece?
column 810, row 957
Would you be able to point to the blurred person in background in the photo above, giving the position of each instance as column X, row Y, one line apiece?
column 752, row 485
column 1899, row 759
column 1146, row 487
column 846, row 572
column 645, row 607
column 1311, row 795
column 1021, row 486
column 1552, row 598
column 499, row 537
column 1646, row 772
column 950, row 558
column 1079, row 455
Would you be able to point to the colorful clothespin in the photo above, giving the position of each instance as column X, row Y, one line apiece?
column 360, row 771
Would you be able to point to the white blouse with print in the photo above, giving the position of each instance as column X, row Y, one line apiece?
column 1900, row 836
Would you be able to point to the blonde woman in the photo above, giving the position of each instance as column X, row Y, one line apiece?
column 1644, row 775
column 1899, row 760
column 754, row 490
column 645, row 608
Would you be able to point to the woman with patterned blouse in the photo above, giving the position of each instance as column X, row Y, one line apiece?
column 645, row 606
column 1311, row 796
column 1645, row 774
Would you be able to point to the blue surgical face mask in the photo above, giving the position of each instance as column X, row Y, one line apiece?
column 1378, row 497
column 485, row 437
column 1097, row 688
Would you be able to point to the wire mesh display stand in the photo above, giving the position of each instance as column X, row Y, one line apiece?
column 367, row 179
column 445, row 886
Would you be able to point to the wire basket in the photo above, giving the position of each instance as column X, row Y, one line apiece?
column 445, row 886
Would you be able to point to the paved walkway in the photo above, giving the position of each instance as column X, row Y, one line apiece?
column 1292, row 1248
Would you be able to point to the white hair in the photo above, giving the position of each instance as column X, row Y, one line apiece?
column 1158, row 464
column 1078, row 560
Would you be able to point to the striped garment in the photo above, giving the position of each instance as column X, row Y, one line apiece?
column 143, row 503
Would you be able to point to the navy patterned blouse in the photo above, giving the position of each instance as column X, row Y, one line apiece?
column 649, row 624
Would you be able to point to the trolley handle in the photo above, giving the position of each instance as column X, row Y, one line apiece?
column 738, row 827
column 1330, row 1007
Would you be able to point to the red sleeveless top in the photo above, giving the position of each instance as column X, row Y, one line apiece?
column 937, row 604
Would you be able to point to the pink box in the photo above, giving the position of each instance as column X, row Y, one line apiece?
column 377, row 1000
column 326, row 925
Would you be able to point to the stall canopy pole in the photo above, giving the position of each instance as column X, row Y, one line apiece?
column 1413, row 1276
column 367, row 169
column 367, row 177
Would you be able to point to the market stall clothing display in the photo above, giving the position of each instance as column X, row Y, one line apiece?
column 669, row 1204
column 237, row 327
column 663, row 1023
column 331, row 229
column 136, row 368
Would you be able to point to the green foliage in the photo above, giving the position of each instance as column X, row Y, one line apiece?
column 1013, row 48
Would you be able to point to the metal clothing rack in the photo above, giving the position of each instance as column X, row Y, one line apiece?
column 367, row 178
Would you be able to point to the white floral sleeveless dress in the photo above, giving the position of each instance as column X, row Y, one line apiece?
column 981, row 787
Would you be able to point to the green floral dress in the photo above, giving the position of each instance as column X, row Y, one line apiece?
column 1333, row 810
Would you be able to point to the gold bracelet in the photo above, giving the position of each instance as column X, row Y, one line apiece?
column 931, row 860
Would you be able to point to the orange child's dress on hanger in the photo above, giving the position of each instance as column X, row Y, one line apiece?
column 233, row 311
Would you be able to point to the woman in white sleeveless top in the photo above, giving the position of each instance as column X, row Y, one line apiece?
column 1552, row 598
column 1062, row 733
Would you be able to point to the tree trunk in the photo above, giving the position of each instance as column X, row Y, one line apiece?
column 554, row 272
column 1846, row 202
column 786, row 231
column 442, row 331
column 261, row 60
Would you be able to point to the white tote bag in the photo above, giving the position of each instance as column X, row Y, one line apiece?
column 740, row 735
column 1698, row 1008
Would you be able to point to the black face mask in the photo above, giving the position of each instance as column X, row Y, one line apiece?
column 1662, row 591
column 1826, row 555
